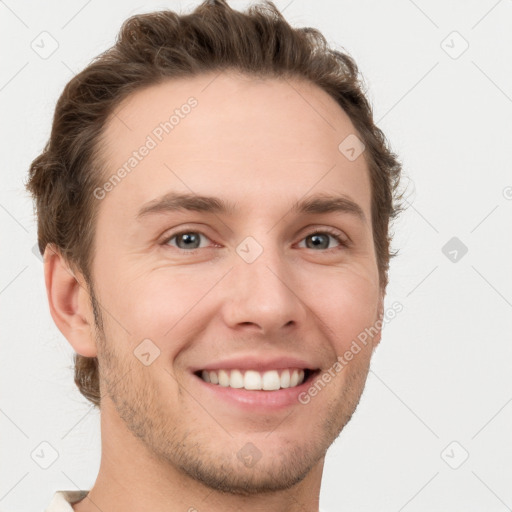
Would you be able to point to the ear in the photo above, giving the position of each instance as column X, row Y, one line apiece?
column 69, row 301
column 380, row 316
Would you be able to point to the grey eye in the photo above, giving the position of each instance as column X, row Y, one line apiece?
column 186, row 240
column 318, row 240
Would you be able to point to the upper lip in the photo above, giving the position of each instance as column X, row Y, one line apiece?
column 257, row 363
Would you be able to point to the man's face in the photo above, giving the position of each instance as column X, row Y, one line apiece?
column 239, row 293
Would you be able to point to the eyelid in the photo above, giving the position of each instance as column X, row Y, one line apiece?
column 310, row 230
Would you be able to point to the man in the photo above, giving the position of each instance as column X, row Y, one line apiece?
column 213, row 205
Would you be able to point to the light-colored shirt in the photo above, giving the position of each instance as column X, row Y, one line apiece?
column 62, row 500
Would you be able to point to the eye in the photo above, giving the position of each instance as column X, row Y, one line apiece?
column 190, row 241
column 186, row 240
column 320, row 240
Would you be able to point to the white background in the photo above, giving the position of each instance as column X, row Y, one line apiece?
column 443, row 370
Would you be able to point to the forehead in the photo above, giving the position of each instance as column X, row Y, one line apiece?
column 225, row 133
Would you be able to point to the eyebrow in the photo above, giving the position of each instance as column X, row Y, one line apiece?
column 316, row 204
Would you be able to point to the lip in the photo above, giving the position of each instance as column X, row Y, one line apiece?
column 258, row 363
column 257, row 401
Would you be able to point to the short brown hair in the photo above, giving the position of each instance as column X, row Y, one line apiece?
column 163, row 45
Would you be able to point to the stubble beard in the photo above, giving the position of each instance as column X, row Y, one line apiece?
column 192, row 451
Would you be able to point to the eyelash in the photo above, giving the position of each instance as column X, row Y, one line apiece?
column 326, row 231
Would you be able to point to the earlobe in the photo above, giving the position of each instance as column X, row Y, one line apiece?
column 69, row 303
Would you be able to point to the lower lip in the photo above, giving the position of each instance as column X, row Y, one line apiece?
column 257, row 400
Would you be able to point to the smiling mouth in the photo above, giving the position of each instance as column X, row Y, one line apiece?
column 253, row 380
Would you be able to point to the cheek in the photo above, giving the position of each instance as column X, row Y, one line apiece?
column 346, row 303
column 170, row 302
column 164, row 301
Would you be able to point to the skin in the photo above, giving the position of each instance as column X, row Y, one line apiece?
column 263, row 144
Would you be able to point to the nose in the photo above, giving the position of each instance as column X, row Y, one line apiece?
column 263, row 296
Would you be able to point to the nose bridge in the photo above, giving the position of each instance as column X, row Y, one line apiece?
column 261, row 289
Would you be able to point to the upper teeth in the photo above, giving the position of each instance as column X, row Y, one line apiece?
column 252, row 380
